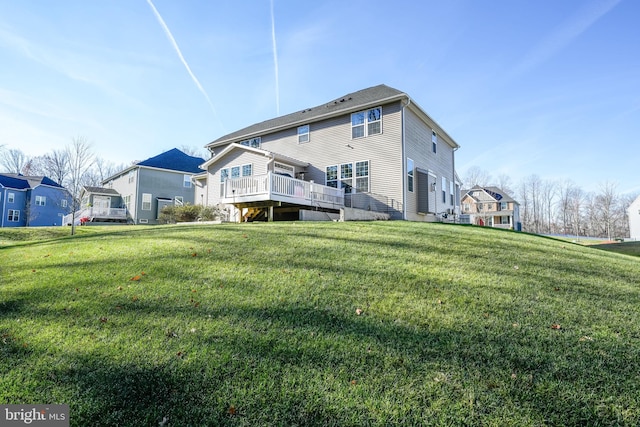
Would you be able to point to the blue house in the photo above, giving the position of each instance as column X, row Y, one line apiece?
column 32, row 201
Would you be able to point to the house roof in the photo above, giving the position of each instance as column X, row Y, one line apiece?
column 176, row 160
column 276, row 156
column 22, row 182
column 494, row 192
column 355, row 101
column 101, row 190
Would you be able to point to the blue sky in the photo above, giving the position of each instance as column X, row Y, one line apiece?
column 542, row 87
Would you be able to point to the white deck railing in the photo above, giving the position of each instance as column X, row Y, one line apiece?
column 281, row 188
column 96, row 213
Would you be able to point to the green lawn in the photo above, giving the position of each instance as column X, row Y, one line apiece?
column 384, row 323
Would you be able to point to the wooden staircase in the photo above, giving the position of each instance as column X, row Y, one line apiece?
column 255, row 214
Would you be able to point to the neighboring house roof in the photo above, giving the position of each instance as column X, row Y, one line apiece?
column 494, row 192
column 352, row 102
column 176, row 160
column 21, row 182
column 101, row 190
column 276, row 156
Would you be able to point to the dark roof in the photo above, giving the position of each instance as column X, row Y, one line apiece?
column 12, row 181
column 351, row 101
column 19, row 181
column 101, row 190
column 495, row 192
column 176, row 160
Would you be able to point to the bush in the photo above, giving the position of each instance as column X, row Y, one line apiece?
column 188, row 213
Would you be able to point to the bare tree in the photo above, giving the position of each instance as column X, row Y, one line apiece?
column 81, row 159
column 193, row 151
column 476, row 176
column 56, row 165
column 504, row 183
column 13, row 160
column 106, row 169
column 548, row 192
column 567, row 191
column 34, row 166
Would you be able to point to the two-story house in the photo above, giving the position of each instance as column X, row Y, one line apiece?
column 491, row 207
column 375, row 150
column 31, row 201
column 138, row 193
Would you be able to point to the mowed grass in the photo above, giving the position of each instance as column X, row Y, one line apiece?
column 385, row 323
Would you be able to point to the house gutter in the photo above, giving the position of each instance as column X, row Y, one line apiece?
column 404, row 163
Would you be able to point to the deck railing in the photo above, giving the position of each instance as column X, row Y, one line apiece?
column 272, row 186
column 95, row 213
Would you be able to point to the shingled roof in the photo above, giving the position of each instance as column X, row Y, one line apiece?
column 21, row 182
column 176, row 160
column 352, row 101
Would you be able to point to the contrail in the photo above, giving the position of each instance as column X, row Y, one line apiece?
column 275, row 59
column 184, row 61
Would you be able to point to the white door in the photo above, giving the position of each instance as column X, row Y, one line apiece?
column 101, row 205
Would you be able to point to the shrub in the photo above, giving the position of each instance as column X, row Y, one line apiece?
column 188, row 213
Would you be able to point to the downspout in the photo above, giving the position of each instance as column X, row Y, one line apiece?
column 138, row 196
column 4, row 205
column 404, row 163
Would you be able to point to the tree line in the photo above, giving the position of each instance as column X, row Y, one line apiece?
column 563, row 207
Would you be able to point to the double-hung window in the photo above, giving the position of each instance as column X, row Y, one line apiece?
column 186, row 181
column 444, row 190
column 13, row 215
column 366, row 123
column 41, row 201
column 146, row 201
column 247, row 170
column 362, row 177
column 434, row 141
column 410, row 175
column 11, row 197
column 303, row 134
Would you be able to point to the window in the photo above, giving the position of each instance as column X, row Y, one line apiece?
column 332, row 176
column 63, row 203
column 371, row 118
column 178, row 201
column 11, row 197
column 362, row 177
column 13, row 215
column 187, row 181
column 410, row 175
column 224, row 174
column 466, row 207
column 444, row 190
column 253, row 142
column 127, row 202
column 41, row 201
column 480, row 207
column 235, row 172
column 452, row 193
column 434, row 141
column 131, row 176
column 303, row 134
column 247, row 170
column 504, row 206
column 344, row 174
column 504, row 220
column 146, row 201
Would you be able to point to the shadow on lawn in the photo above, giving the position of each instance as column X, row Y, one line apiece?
column 294, row 365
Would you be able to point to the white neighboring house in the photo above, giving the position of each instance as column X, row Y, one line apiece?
column 634, row 219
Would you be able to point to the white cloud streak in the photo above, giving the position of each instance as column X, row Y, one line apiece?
column 184, row 61
column 275, row 59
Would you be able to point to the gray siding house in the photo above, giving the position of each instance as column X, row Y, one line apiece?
column 374, row 150
column 634, row 219
column 147, row 186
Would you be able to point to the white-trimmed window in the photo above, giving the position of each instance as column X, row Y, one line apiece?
column 434, row 141
column 366, row 123
column 452, row 193
column 410, row 174
column 186, row 181
column 362, row 177
column 466, row 207
column 345, row 173
column 247, row 170
column 11, row 197
column 235, row 172
column 444, row 190
column 178, row 201
column 131, row 176
column 224, row 174
column 63, row 203
column 13, row 215
column 504, row 206
column 253, row 142
column 41, row 201
column 127, row 201
column 504, row 220
column 303, row 134
column 146, row 201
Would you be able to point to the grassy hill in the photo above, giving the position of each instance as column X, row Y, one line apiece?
column 319, row 324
